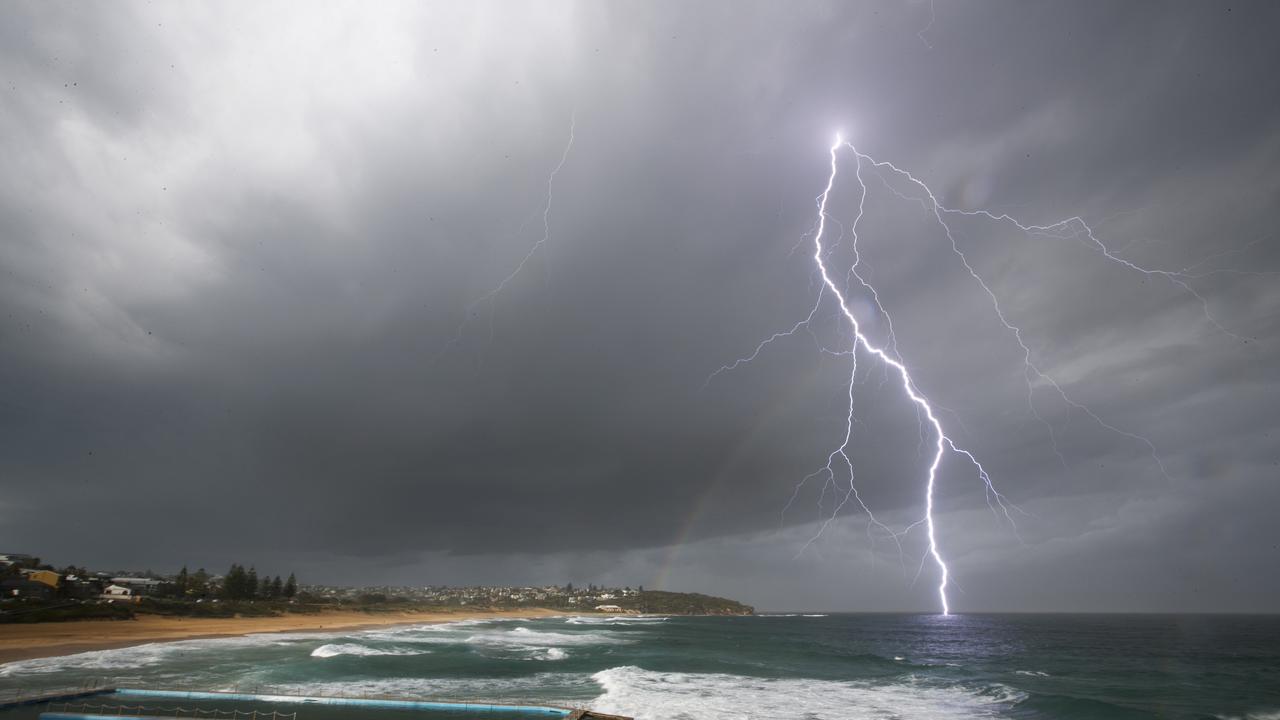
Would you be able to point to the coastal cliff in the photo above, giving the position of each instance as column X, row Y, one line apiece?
column 677, row 603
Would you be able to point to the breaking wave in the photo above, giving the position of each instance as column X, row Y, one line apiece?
column 523, row 637
column 547, row 685
column 616, row 620
column 336, row 649
column 650, row 695
column 147, row 654
column 551, row 654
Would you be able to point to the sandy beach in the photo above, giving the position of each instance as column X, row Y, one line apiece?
column 21, row 642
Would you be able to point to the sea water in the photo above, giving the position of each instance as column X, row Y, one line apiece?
column 812, row 666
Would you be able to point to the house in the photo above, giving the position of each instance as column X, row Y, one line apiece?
column 139, row 586
column 609, row 608
column 17, row 587
column 118, row 592
column 48, row 577
column 79, row 588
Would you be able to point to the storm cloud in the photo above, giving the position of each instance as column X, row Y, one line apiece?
column 246, row 257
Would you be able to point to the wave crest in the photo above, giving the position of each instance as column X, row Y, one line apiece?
column 650, row 695
column 336, row 649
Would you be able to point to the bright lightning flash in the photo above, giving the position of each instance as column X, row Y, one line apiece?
column 1071, row 228
column 941, row 441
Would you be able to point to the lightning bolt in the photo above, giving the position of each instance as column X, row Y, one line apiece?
column 492, row 295
column 941, row 441
column 925, row 29
column 889, row 357
column 1073, row 228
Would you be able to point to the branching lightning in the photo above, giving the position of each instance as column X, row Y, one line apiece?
column 839, row 464
column 1073, row 228
column 492, row 295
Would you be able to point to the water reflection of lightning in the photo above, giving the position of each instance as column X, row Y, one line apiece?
column 891, row 360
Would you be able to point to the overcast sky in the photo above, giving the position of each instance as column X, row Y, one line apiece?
column 248, row 255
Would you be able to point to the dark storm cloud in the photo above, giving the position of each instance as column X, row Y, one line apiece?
column 237, row 245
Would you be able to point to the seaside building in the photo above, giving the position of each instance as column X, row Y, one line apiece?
column 139, row 586
column 20, row 587
column 118, row 593
column 609, row 608
column 48, row 577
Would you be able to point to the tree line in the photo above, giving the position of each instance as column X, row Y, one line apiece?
column 237, row 584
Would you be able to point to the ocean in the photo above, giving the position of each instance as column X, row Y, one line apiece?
column 811, row 666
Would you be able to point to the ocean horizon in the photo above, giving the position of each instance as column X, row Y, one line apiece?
column 820, row 666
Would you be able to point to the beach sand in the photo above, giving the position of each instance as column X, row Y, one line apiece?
column 25, row 641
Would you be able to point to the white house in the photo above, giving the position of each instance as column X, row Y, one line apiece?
column 609, row 608
column 117, row 592
column 139, row 586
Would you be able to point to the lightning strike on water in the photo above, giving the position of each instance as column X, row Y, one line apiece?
column 892, row 361
column 908, row 385
column 492, row 295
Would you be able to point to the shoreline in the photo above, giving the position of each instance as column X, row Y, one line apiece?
column 40, row 640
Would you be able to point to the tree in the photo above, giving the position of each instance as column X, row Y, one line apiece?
column 290, row 586
column 276, row 588
column 183, row 581
column 231, row 582
column 199, row 583
column 239, row 585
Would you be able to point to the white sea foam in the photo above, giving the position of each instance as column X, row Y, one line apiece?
column 153, row 656
column 146, row 655
column 650, row 695
column 450, row 632
column 816, row 615
column 523, row 637
column 520, row 641
column 616, row 620
column 777, row 615
column 1260, row 715
column 425, row 628
column 550, row 654
column 549, row 685
column 1031, row 673
column 396, row 631
column 336, row 649
column 124, row 658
